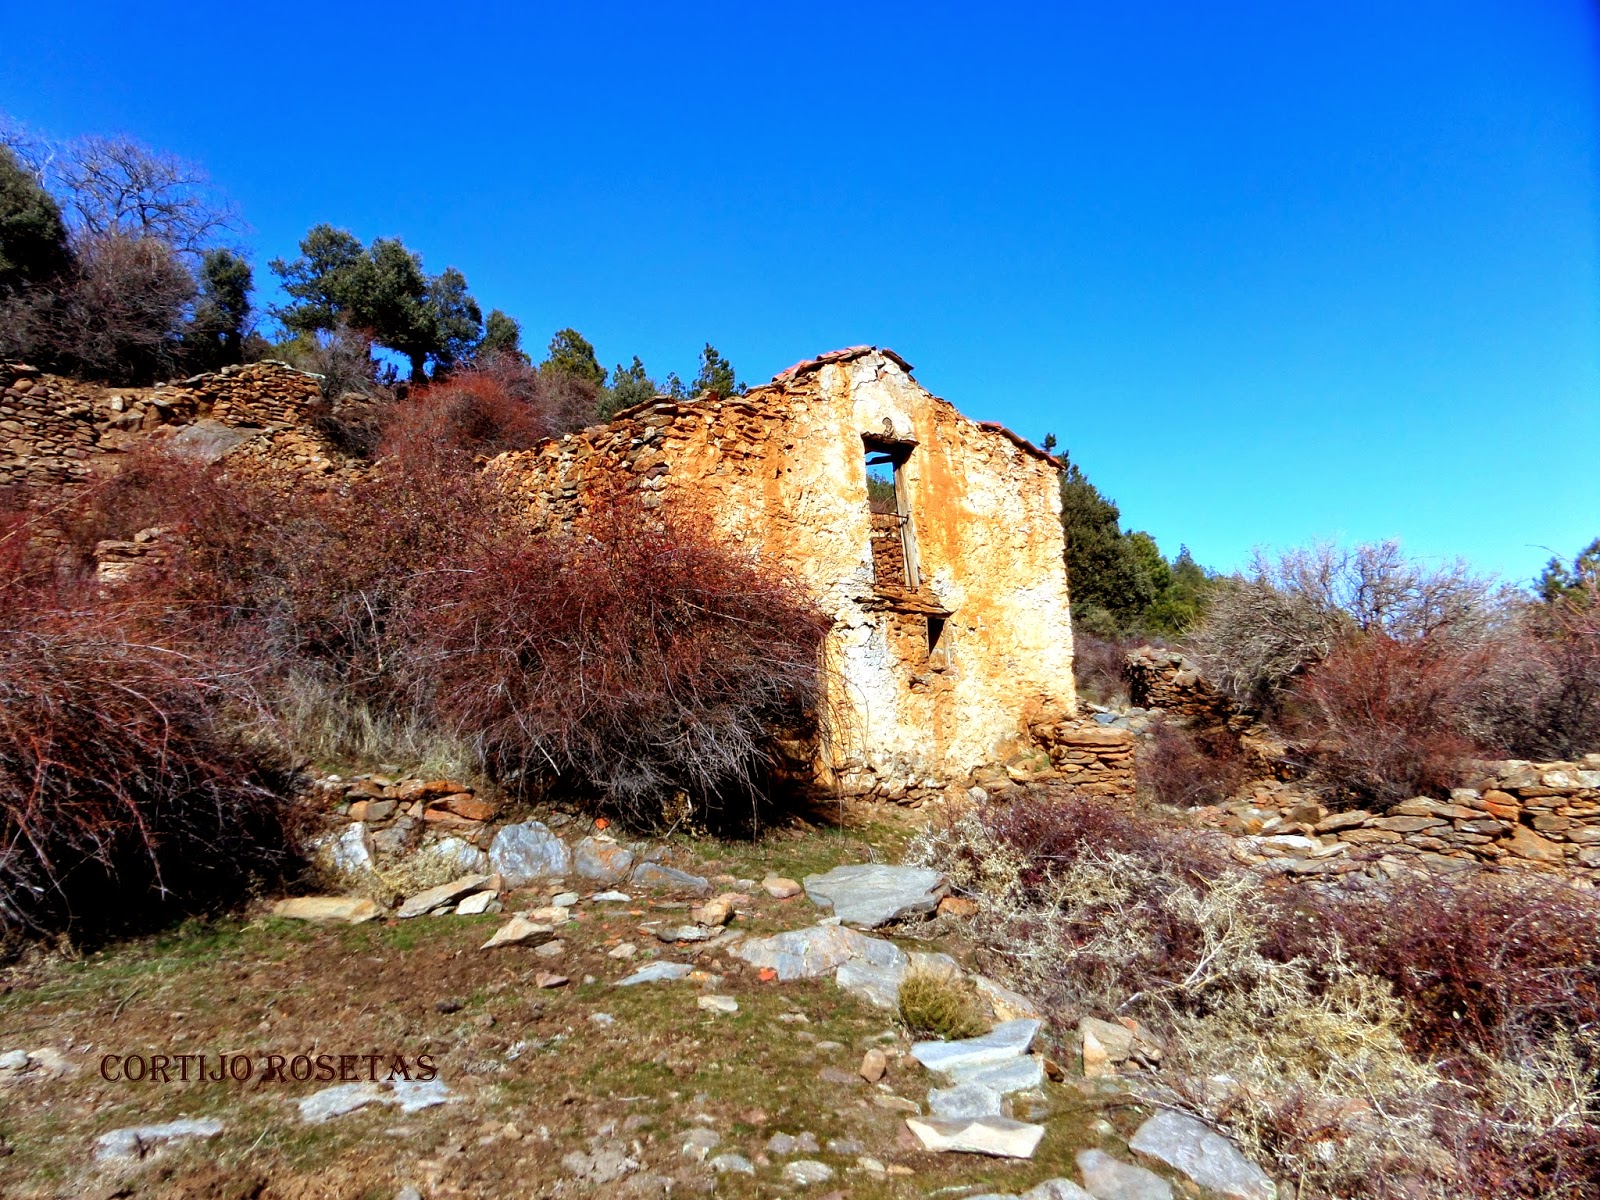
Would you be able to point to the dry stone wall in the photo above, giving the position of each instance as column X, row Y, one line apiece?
column 57, row 432
column 1169, row 681
column 48, row 433
column 1535, row 816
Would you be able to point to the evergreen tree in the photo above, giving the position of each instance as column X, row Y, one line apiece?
column 215, row 336
column 1103, row 570
column 383, row 291
column 1558, row 580
column 629, row 386
column 502, row 335
column 716, row 375
column 33, row 238
column 571, row 354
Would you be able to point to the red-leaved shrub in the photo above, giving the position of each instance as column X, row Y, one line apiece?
column 126, row 794
column 636, row 658
column 1382, row 720
column 1186, row 767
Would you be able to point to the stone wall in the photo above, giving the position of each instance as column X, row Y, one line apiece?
column 1095, row 758
column 1515, row 816
column 48, row 431
column 1540, row 816
column 926, row 683
column 1167, row 680
column 57, row 432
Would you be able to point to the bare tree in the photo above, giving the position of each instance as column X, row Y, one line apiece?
column 120, row 316
column 1267, row 627
column 115, row 185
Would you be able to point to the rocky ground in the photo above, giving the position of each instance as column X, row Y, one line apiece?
column 721, row 1024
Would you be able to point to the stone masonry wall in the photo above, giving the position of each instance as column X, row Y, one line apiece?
column 1535, row 816
column 57, row 432
column 1167, row 680
column 925, row 683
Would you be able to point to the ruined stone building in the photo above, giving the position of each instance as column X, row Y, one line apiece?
column 933, row 541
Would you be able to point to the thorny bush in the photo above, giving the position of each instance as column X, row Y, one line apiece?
column 635, row 660
column 1187, row 766
column 1364, row 1047
column 126, row 793
column 635, row 657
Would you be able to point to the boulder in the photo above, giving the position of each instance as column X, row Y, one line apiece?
column 819, row 950
column 871, row 894
column 602, row 860
column 655, row 875
column 524, row 853
column 1202, row 1154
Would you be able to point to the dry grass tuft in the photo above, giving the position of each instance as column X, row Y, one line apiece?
column 941, row 1004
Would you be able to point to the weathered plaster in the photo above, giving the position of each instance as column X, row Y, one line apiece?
column 782, row 470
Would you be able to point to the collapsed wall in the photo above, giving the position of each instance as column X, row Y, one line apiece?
column 951, row 629
column 57, row 432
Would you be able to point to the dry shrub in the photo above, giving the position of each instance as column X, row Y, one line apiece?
column 1481, row 968
column 125, row 794
column 1098, row 667
column 1186, row 767
column 1381, row 719
column 1439, row 1043
column 1263, row 630
column 941, row 1004
column 1539, row 694
column 636, row 658
column 498, row 405
column 637, row 661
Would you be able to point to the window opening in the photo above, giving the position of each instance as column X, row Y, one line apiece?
column 894, row 550
column 935, row 632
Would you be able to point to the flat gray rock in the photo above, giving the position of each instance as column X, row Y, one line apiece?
column 964, row 1102
column 1107, row 1178
column 437, row 897
column 414, row 1095
column 527, row 852
column 818, row 950
column 138, row 1140
column 208, row 440
column 1024, row 1074
column 871, row 894
column 602, row 860
column 337, row 1100
column 1000, row 1137
column 1008, row 1040
column 1057, row 1189
column 876, row 985
column 655, row 875
column 807, row 1171
column 1204, row 1155
column 656, row 972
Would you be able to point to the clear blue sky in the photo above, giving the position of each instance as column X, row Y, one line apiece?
column 1270, row 271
